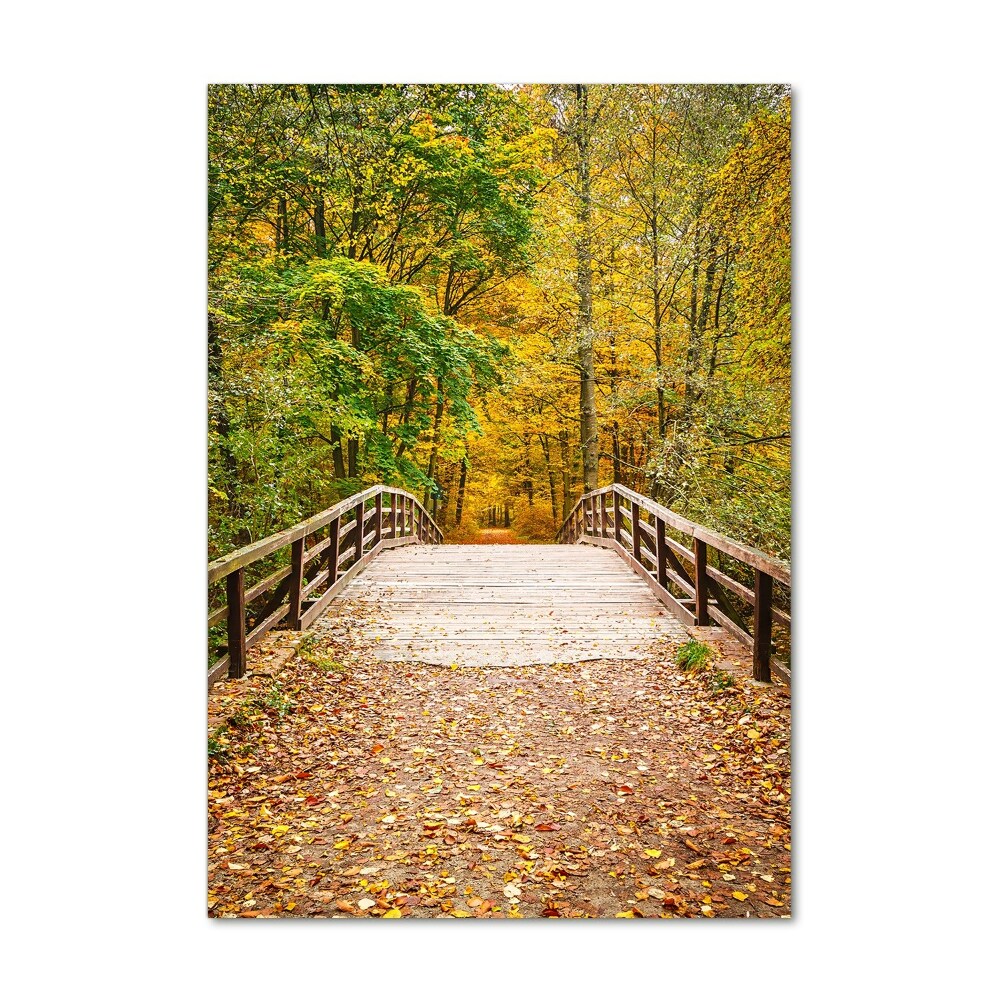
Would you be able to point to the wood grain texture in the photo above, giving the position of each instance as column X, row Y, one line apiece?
column 491, row 605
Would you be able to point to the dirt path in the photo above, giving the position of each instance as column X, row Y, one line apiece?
column 342, row 785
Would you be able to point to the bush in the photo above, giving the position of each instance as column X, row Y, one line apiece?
column 535, row 524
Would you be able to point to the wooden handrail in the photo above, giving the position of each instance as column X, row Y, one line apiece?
column 356, row 535
column 591, row 522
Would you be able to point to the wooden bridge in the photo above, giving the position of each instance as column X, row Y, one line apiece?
column 515, row 604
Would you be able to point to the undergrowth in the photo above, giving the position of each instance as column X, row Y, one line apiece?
column 696, row 658
column 251, row 713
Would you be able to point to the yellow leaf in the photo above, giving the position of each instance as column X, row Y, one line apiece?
column 278, row 831
column 341, row 844
column 290, row 906
column 753, row 734
column 627, row 914
column 521, row 838
column 740, row 896
column 391, row 913
column 652, row 854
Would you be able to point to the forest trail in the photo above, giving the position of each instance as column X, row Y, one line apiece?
column 512, row 605
column 346, row 785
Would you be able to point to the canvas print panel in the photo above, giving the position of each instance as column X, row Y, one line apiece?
column 499, row 426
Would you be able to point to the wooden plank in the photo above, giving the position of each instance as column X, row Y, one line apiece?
column 660, row 591
column 276, row 597
column 315, row 582
column 318, row 549
column 321, row 605
column 261, row 628
column 700, row 582
column 295, row 585
column 680, row 550
column 776, row 568
column 729, row 625
column 236, row 624
column 333, row 555
column 267, row 583
column 218, row 670
column 359, row 530
column 257, row 550
column 636, row 525
column 763, row 589
column 661, row 553
column 730, row 584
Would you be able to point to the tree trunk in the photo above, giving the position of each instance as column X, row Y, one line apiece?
column 551, row 474
column 661, row 409
column 319, row 220
column 339, row 472
column 282, row 222
column 435, row 439
column 460, row 499
column 584, row 288
column 411, row 395
column 220, row 418
column 352, row 457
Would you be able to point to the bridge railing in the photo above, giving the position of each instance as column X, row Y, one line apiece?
column 327, row 551
column 681, row 573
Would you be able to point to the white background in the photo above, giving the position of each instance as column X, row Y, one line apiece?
column 103, row 236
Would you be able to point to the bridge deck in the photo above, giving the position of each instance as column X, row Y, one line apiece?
column 497, row 605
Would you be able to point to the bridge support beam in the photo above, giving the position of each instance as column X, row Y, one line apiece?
column 701, row 583
column 763, row 589
column 236, row 624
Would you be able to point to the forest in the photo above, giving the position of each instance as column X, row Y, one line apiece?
column 499, row 297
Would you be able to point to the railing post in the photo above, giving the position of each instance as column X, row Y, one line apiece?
column 636, row 536
column 392, row 515
column 700, row 582
column 604, row 515
column 617, row 515
column 661, row 552
column 293, row 619
column 359, row 530
column 378, row 519
column 412, row 509
column 763, row 592
column 236, row 624
column 334, row 554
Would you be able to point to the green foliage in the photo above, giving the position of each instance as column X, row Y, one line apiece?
column 349, row 226
column 393, row 297
column 693, row 656
column 218, row 749
column 319, row 658
column 274, row 700
column 721, row 679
